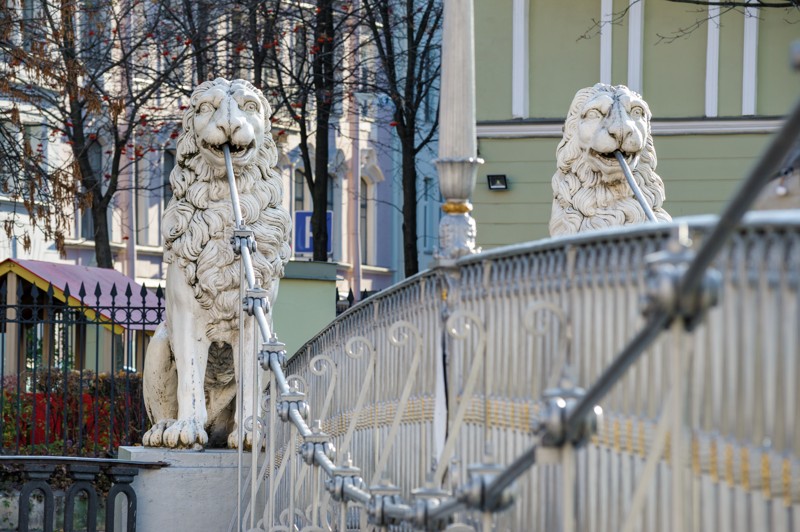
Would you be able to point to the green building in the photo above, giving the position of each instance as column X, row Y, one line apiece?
column 717, row 83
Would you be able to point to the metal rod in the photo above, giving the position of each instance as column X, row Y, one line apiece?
column 324, row 462
column 357, row 494
column 635, row 187
column 400, row 512
column 255, row 443
column 617, row 368
column 299, row 422
column 237, row 209
column 511, row 473
column 760, row 175
column 569, row 482
column 277, row 370
column 261, row 318
column 447, row 508
column 247, row 261
column 239, row 409
column 676, row 432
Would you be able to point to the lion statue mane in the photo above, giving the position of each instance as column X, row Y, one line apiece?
column 191, row 373
column 589, row 188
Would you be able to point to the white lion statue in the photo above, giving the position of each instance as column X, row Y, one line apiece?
column 589, row 188
column 191, row 365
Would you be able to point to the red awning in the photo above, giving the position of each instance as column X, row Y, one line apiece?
column 117, row 299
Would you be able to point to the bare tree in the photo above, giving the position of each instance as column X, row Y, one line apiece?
column 105, row 76
column 406, row 39
column 703, row 15
column 297, row 55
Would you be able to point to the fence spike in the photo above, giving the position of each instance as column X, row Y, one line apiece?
column 50, row 292
column 34, row 293
column 82, row 291
column 159, row 294
column 143, row 293
column 113, row 292
column 129, row 293
column 66, row 291
column 98, row 292
column 4, row 291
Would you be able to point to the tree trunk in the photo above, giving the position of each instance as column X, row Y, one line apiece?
column 324, row 84
column 319, row 224
column 410, row 255
column 102, row 240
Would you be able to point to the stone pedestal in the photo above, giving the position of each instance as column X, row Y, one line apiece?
column 196, row 492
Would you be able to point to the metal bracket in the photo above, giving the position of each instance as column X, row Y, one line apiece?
column 243, row 236
column 272, row 350
column 382, row 495
column 664, row 273
column 317, row 441
column 473, row 493
column 552, row 427
column 347, row 475
column 255, row 297
column 427, row 500
column 293, row 399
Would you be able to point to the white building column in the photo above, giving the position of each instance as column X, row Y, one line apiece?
column 606, row 43
column 635, row 44
column 520, row 59
column 749, row 61
column 712, row 62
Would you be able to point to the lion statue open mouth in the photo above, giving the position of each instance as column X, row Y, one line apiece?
column 191, row 365
column 589, row 187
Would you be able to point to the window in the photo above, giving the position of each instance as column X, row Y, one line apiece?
column 86, row 224
column 167, row 165
column 299, row 190
column 363, row 226
column 22, row 160
column 145, row 235
column 28, row 23
column 430, row 210
column 329, row 198
column 7, row 156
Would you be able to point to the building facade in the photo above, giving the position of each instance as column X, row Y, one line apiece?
column 717, row 83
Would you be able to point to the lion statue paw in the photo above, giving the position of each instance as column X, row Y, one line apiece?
column 155, row 436
column 233, row 439
column 185, row 433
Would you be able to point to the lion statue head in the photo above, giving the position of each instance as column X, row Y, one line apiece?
column 198, row 222
column 589, row 188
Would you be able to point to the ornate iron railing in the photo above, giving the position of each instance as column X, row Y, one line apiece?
column 60, row 493
column 499, row 326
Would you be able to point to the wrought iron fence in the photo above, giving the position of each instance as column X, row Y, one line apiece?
column 70, row 365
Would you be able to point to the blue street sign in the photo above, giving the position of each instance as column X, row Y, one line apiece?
column 303, row 237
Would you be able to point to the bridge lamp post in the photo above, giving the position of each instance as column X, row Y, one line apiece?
column 458, row 158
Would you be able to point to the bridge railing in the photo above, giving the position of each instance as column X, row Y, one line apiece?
column 460, row 381
column 401, row 381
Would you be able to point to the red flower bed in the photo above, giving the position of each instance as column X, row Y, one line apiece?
column 84, row 414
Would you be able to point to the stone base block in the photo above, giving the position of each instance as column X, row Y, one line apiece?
column 196, row 492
